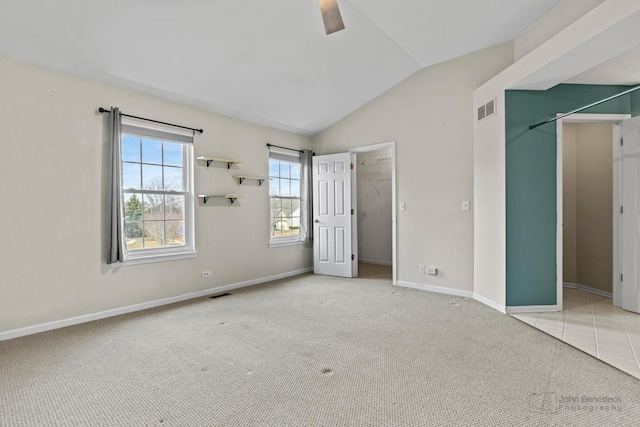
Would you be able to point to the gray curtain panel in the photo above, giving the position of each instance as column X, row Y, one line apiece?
column 118, row 247
column 306, row 197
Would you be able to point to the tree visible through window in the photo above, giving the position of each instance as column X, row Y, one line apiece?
column 284, row 191
column 156, row 189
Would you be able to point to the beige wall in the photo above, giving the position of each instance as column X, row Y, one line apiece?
column 588, row 204
column 53, row 173
column 429, row 115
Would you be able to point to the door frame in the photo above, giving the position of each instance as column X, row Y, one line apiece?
column 354, row 204
column 615, row 120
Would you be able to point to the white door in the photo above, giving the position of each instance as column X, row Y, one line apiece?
column 332, row 254
column 631, row 214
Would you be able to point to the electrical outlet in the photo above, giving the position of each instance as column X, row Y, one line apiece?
column 206, row 274
column 432, row 271
column 423, row 269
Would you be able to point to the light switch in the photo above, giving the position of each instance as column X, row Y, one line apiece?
column 403, row 206
column 466, row 205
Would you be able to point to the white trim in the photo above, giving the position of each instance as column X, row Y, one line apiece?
column 559, row 213
column 616, row 295
column 436, row 289
column 375, row 147
column 368, row 261
column 486, row 301
column 29, row 330
column 149, row 258
column 279, row 244
column 585, row 118
column 588, row 289
column 532, row 309
column 168, row 253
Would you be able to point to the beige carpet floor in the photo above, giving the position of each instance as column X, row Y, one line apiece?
column 311, row 351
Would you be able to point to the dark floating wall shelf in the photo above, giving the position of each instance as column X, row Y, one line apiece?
column 232, row 197
column 241, row 178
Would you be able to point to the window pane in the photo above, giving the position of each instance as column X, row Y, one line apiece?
column 274, row 168
column 276, row 212
column 174, row 233
column 152, row 151
column 153, row 234
column 131, row 176
column 286, row 207
column 153, row 207
column 285, row 169
column 295, row 224
column 295, row 170
column 295, row 207
column 173, row 179
column 130, row 148
column 152, row 177
column 133, row 234
column 285, row 187
column 172, row 154
column 274, row 187
column 295, row 188
column 173, row 207
column 133, row 220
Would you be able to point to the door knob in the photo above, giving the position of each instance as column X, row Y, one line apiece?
column 316, row 221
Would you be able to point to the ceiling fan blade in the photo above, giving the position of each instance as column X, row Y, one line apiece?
column 331, row 16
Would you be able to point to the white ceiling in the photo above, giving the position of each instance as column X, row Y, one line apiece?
column 268, row 62
column 624, row 69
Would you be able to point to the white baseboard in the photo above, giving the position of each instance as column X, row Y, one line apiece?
column 532, row 309
column 368, row 261
column 588, row 289
column 436, row 289
column 490, row 303
column 29, row 330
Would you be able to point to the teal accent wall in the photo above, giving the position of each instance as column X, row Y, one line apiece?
column 531, row 183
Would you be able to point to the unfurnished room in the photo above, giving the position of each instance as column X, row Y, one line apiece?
column 320, row 213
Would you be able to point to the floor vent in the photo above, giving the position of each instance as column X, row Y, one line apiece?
column 221, row 295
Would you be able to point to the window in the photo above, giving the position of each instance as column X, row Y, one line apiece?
column 157, row 192
column 284, row 192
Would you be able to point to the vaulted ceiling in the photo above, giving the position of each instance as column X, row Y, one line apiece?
column 268, row 62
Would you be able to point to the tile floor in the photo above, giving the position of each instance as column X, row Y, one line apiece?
column 592, row 324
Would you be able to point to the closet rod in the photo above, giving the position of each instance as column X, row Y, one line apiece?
column 104, row 110
column 577, row 110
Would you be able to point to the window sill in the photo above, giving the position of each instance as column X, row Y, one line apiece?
column 283, row 243
column 146, row 259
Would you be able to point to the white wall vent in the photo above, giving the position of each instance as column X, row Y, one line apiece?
column 487, row 110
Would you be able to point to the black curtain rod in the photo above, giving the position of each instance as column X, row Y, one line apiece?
column 284, row 148
column 577, row 110
column 104, row 110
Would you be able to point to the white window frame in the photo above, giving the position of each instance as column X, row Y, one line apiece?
column 169, row 134
column 274, row 241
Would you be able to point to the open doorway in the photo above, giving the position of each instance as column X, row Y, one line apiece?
column 588, row 177
column 588, row 257
column 373, row 216
column 374, row 210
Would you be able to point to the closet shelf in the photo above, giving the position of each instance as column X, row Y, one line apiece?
column 241, row 178
column 229, row 162
column 232, row 197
